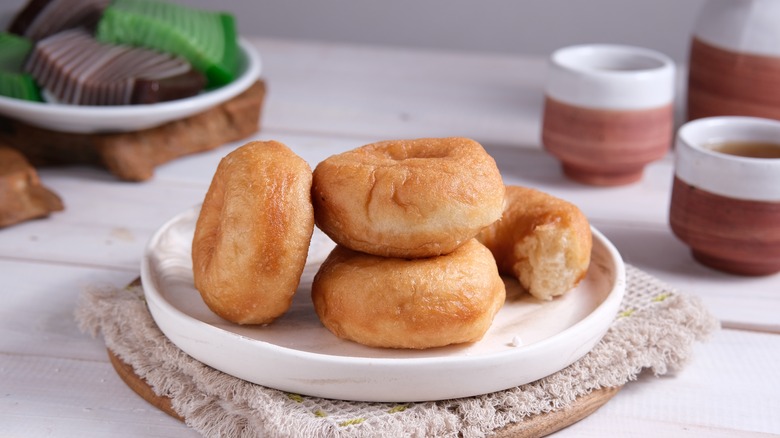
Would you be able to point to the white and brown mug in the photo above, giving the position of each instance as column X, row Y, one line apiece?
column 725, row 202
column 608, row 111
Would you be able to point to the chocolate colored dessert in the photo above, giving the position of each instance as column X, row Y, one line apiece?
column 76, row 69
column 41, row 18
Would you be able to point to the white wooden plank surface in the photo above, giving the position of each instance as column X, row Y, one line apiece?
column 38, row 303
column 49, row 393
column 740, row 398
column 325, row 99
column 348, row 90
column 56, row 397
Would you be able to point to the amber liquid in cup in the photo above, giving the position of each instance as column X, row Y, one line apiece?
column 748, row 149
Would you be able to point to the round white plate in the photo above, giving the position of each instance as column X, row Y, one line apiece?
column 124, row 118
column 296, row 353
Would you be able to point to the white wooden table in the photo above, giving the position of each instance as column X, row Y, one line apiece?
column 323, row 99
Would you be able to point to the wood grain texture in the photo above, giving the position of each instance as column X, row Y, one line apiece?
column 140, row 387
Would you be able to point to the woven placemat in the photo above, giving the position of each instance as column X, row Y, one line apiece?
column 655, row 329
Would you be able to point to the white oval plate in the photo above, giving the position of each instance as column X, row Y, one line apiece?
column 297, row 354
column 124, row 118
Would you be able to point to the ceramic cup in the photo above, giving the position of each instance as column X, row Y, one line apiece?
column 726, row 207
column 734, row 65
column 608, row 111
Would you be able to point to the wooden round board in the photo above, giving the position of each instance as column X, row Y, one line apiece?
column 536, row 426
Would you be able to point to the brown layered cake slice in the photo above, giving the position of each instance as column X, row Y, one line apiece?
column 41, row 18
column 76, row 69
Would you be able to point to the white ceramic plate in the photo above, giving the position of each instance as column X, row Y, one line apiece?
column 124, row 118
column 297, row 354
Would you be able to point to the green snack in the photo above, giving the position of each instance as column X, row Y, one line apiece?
column 14, row 82
column 207, row 39
column 19, row 86
column 13, row 52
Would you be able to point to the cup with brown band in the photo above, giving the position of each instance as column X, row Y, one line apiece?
column 608, row 111
column 725, row 201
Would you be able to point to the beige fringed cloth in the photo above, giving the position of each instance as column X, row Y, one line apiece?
column 655, row 329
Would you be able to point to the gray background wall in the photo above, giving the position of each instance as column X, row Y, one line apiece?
column 534, row 27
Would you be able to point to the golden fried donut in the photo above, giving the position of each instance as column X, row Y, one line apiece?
column 542, row 240
column 409, row 303
column 253, row 233
column 407, row 198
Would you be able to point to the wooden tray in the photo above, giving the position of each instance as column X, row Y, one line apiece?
column 133, row 156
column 532, row 427
column 536, row 426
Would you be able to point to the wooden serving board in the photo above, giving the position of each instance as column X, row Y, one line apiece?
column 536, row 426
column 133, row 156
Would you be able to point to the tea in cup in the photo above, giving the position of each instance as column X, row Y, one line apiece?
column 726, row 193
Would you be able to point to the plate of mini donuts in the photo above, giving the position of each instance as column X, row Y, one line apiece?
column 264, row 282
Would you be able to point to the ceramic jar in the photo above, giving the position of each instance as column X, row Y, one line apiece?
column 735, row 60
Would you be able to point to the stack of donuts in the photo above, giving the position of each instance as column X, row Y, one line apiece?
column 407, row 271
column 423, row 229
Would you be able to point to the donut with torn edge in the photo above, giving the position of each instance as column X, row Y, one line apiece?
column 543, row 241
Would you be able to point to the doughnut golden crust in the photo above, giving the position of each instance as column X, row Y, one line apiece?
column 542, row 240
column 409, row 303
column 253, row 233
column 407, row 198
